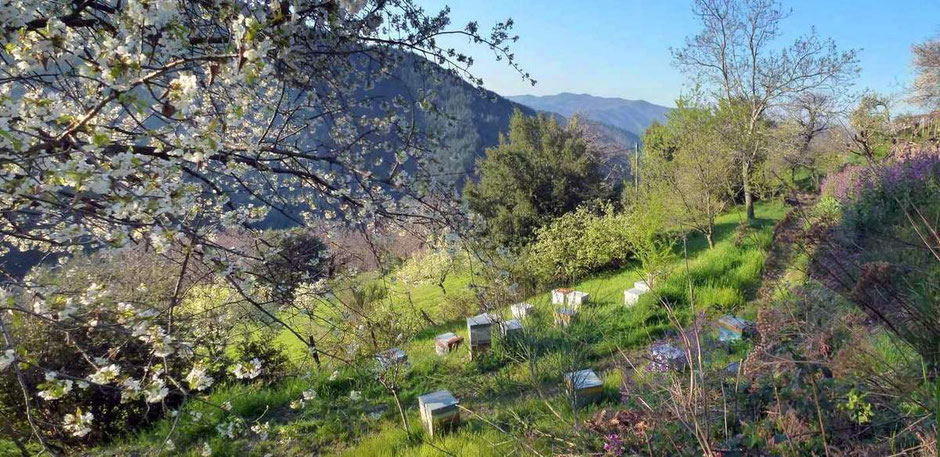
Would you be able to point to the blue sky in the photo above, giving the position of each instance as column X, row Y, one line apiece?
column 621, row 48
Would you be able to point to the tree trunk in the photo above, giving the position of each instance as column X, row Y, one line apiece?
column 746, row 182
column 711, row 239
column 312, row 344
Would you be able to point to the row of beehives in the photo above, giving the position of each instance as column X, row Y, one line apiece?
column 479, row 327
column 479, row 330
column 440, row 411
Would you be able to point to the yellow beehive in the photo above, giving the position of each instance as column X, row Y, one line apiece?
column 584, row 385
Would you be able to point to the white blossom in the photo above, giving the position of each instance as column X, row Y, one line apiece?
column 105, row 375
column 78, row 424
column 53, row 388
column 156, row 391
column 261, row 429
column 251, row 370
column 198, row 379
column 7, row 359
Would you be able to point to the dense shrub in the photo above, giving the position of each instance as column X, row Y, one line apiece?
column 578, row 243
column 872, row 195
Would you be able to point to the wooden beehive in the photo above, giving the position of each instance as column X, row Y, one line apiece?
column 446, row 343
column 642, row 285
column 391, row 357
column 439, row 412
column 732, row 328
column 521, row 310
column 584, row 385
column 576, row 298
column 560, row 296
column 564, row 316
column 480, row 331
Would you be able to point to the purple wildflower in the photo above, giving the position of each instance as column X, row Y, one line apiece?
column 613, row 444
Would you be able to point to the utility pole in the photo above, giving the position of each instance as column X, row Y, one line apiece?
column 636, row 166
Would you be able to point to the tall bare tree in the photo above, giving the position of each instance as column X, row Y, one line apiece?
column 812, row 114
column 927, row 66
column 736, row 53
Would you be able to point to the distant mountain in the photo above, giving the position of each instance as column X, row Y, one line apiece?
column 468, row 120
column 634, row 116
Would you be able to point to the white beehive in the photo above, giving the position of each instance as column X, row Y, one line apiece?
column 564, row 316
column 511, row 327
column 480, row 330
column 521, row 310
column 576, row 298
column 632, row 296
column 642, row 285
column 439, row 411
column 560, row 296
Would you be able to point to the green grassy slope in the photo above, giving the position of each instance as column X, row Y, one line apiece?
column 516, row 386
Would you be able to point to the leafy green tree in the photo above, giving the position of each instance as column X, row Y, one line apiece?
column 688, row 167
column 540, row 171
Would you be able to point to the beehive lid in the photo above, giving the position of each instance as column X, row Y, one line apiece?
column 392, row 354
column 512, row 324
column 563, row 291
column 437, row 400
column 578, row 293
column 733, row 323
column 583, row 379
column 480, row 319
column 635, row 292
column 448, row 337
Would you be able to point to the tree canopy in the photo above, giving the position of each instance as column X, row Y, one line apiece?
column 539, row 171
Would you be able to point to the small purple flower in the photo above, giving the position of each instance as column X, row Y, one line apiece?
column 613, row 444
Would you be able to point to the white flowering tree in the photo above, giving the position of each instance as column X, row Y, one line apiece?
column 173, row 124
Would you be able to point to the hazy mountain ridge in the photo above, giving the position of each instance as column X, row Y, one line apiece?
column 633, row 116
column 468, row 120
